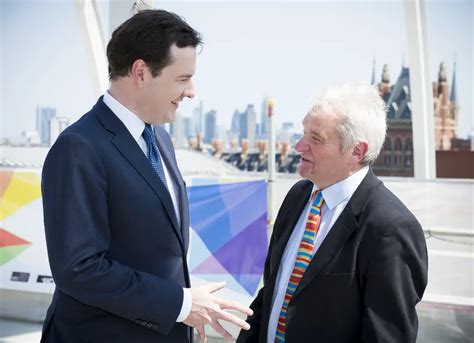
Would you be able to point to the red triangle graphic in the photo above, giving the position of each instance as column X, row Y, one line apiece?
column 9, row 239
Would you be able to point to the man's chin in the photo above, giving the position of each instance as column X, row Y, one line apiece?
column 303, row 172
column 306, row 174
column 171, row 116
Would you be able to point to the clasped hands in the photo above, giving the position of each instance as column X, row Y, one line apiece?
column 206, row 309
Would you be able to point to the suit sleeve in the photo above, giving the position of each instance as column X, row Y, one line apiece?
column 74, row 187
column 395, row 281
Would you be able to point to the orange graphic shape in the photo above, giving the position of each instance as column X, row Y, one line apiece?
column 5, row 179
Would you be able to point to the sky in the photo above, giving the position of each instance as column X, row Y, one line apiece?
column 283, row 50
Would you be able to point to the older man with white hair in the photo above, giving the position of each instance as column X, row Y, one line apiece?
column 347, row 260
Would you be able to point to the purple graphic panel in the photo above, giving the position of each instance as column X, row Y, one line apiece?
column 238, row 249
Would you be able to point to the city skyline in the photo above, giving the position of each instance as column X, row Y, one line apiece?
column 283, row 51
column 244, row 125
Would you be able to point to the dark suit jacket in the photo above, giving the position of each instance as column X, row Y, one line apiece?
column 116, row 252
column 364, row 281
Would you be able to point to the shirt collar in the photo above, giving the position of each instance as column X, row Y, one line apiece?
column 131, row 121
column 342, row 190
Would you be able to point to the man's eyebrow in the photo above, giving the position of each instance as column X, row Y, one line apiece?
column 185, row 76
column 316, row 134
column 313, row 133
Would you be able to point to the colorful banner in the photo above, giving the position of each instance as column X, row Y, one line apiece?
column 228, row 234
column 23, row 257
column 229, row 226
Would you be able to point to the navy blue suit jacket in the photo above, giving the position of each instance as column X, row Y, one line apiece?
column 116, row 251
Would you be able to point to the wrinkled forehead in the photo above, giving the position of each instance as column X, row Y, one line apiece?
column 322, row 124
column 319, row 114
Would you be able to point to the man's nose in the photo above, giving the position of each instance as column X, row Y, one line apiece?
column 301, row 145
column 190, row 91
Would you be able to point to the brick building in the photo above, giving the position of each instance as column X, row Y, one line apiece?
column 396, row 156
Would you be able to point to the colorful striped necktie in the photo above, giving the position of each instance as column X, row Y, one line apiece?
column 303, row 258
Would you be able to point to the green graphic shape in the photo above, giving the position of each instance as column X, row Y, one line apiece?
column 10, row 252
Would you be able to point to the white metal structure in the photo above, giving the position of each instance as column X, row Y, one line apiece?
column 98, row 34
column 96, row 40
column 424, row 158
column 271, row 164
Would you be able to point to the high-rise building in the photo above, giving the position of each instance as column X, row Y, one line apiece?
column 209, row 126
column 198, row 119
column 220, row 132
column 248, row 125
column 372, row 79
column 43, row 123
column 285, row 134
column 57, row 125
column 288, row 126
column 189, row 127
column 31, row 138
column 235, row 126
column 178, row 131
column 263, row 132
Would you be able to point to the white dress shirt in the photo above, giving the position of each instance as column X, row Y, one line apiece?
column 336, row 198
column 136, row 127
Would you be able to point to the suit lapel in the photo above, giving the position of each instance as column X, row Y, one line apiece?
column 297, row 205
column 334, row 241
column 282, row 231
column 130, row 150
column 178, row 180
column 166, row 154
column 287, row 218
column 342, row 229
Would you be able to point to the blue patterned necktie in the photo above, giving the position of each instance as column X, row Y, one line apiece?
column 153, row 155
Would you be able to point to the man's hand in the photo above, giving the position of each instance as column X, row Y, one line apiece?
column 206, row 308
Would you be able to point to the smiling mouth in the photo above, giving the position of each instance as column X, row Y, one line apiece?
column 306, row 160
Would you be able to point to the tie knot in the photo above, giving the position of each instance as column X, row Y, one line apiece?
column 318, row 199
column 148, row 133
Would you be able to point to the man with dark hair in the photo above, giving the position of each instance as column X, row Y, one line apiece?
column 115, row 205
column 347, row 261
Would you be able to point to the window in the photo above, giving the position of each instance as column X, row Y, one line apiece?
column 398, row 144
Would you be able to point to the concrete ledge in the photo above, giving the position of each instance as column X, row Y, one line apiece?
column 449, row 232
column 26, row 306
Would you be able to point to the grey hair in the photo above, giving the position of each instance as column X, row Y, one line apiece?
column 361, row 114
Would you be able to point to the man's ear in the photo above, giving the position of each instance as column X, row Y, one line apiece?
column 138, row 71
column 360, row 151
